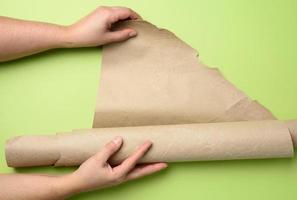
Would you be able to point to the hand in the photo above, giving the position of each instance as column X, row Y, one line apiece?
column 97, row 173
column 95, row 28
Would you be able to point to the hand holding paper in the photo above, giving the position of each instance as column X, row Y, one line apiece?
column 95, row 29
column 97, row 173
column 94, row 173
column 19, row 38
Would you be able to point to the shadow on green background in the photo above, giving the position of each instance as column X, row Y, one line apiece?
column 184, row 172
column 252, row 42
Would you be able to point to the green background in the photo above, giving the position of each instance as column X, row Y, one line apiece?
column 254, row 44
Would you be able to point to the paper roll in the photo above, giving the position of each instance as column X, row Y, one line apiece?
column 171, row 143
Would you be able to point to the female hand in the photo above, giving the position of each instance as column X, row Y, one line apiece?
column 95, row 28
column 97, row 173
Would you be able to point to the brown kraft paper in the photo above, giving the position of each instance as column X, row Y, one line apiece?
column 171, row 143
column 157, row 79
column 154, row 87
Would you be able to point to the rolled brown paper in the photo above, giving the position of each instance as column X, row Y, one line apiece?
column 292, row 125
column 171, row 143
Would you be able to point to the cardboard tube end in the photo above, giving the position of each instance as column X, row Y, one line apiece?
column 292, row 126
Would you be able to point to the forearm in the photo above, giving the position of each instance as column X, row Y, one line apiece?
column 39, row 187
column 19, row 38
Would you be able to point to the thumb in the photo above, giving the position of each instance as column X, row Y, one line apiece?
column 109, row 149
column 121, row 35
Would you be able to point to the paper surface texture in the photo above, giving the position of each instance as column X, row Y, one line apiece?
column 156, row 79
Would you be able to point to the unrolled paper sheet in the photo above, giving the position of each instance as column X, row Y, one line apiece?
column 156, row 79
column 171, row 143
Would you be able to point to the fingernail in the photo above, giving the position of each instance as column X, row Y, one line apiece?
column 165, row 165
column 149, row 143
column 117, row 140
column 132, row 33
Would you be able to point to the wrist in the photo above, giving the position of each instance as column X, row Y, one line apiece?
column 65, row 186
column 67, row 39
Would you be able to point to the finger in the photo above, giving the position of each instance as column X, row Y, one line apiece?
column 109, row 149
column 132, row 14
column 122, row 13
column 145, row 170
column 121, row 35
column 128, row 164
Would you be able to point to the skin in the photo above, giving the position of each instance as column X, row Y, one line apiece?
column 95, row 173
column 20, row 38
